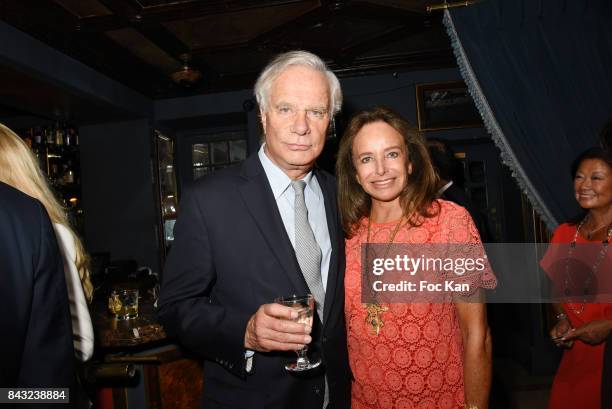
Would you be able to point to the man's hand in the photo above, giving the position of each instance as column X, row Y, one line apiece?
column 271, row 329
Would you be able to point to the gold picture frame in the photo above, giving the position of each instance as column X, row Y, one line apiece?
column 445, row 105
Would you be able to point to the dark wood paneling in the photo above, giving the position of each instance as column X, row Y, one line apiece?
column 347, row 34
column 175, row 384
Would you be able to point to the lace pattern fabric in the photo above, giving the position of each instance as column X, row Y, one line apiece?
column 416, row 361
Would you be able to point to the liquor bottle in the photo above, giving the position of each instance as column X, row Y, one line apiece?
column 38, row 139
column 65, row 134
column 69, row 176
column 49, row 136
column 68, row 136
column 38, row 147
column 75, row 136
column 67, row 173
column 54, row 171
column 59, row 138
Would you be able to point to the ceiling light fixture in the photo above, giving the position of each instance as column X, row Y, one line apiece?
column 187, row 76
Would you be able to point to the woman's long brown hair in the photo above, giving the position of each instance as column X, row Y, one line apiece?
column 420, row 191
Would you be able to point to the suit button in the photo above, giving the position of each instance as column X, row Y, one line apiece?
column 324, row 340
column 317, row 391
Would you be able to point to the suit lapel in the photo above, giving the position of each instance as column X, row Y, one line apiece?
column 259, row 200
column 331, row 214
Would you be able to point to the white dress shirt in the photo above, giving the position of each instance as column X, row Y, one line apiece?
column 313, row 196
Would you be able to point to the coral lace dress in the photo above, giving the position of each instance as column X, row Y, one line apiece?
column 577, row 383
column 416, row 360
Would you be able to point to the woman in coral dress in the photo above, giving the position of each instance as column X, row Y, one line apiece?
column 406, row 355
column 582, row 327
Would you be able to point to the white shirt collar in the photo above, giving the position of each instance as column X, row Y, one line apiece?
column 444, row 188
column 279, row 181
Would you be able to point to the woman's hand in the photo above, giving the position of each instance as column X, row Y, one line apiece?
column 592, row 333
column 563, row 327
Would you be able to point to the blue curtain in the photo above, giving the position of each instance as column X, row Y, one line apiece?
column 540, row 73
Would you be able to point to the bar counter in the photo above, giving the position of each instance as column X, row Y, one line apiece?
column 133, row 333
column 163, row 374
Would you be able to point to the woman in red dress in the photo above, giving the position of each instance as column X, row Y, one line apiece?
column 406, row 355
column 582, row 326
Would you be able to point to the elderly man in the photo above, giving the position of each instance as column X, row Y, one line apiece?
column 266, row 229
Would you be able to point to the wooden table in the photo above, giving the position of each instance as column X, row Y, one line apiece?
column 115, row 334
column 170, row 377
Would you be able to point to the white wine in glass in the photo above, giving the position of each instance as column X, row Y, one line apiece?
column 304, row 305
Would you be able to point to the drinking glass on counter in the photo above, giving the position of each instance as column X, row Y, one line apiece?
column 123, row 303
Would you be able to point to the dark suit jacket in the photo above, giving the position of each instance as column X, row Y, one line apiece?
column 232, row 254
column 36, row 341
column 457, row 195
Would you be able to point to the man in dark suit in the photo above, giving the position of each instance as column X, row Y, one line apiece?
column 242, row 239
column 37, row 335
column 450, row 173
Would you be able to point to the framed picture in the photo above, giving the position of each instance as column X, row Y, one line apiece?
column 445, row 105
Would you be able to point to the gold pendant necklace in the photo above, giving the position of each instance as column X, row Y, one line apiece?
column 374, row 317
column 375, row 311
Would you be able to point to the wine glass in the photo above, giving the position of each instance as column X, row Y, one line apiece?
column 304, row 305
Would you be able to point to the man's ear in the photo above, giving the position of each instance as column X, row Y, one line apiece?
column 263, row 117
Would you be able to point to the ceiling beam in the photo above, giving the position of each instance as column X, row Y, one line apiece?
column 123, row 66
column 183, row 11
column 122, row 9
column 31, row 57
column 49, row 21
column 352, row 51
column 100, row 24
column 133, row 13
column 422, row 60
column 270, row 39
column 130, row 17
column 163, row 38
column 367, row 9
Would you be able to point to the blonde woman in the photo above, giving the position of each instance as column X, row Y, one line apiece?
column 19, row 168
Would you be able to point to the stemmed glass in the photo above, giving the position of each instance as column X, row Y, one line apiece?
column 304, row 305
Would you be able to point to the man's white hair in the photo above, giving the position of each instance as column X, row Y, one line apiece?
column 300, row 58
